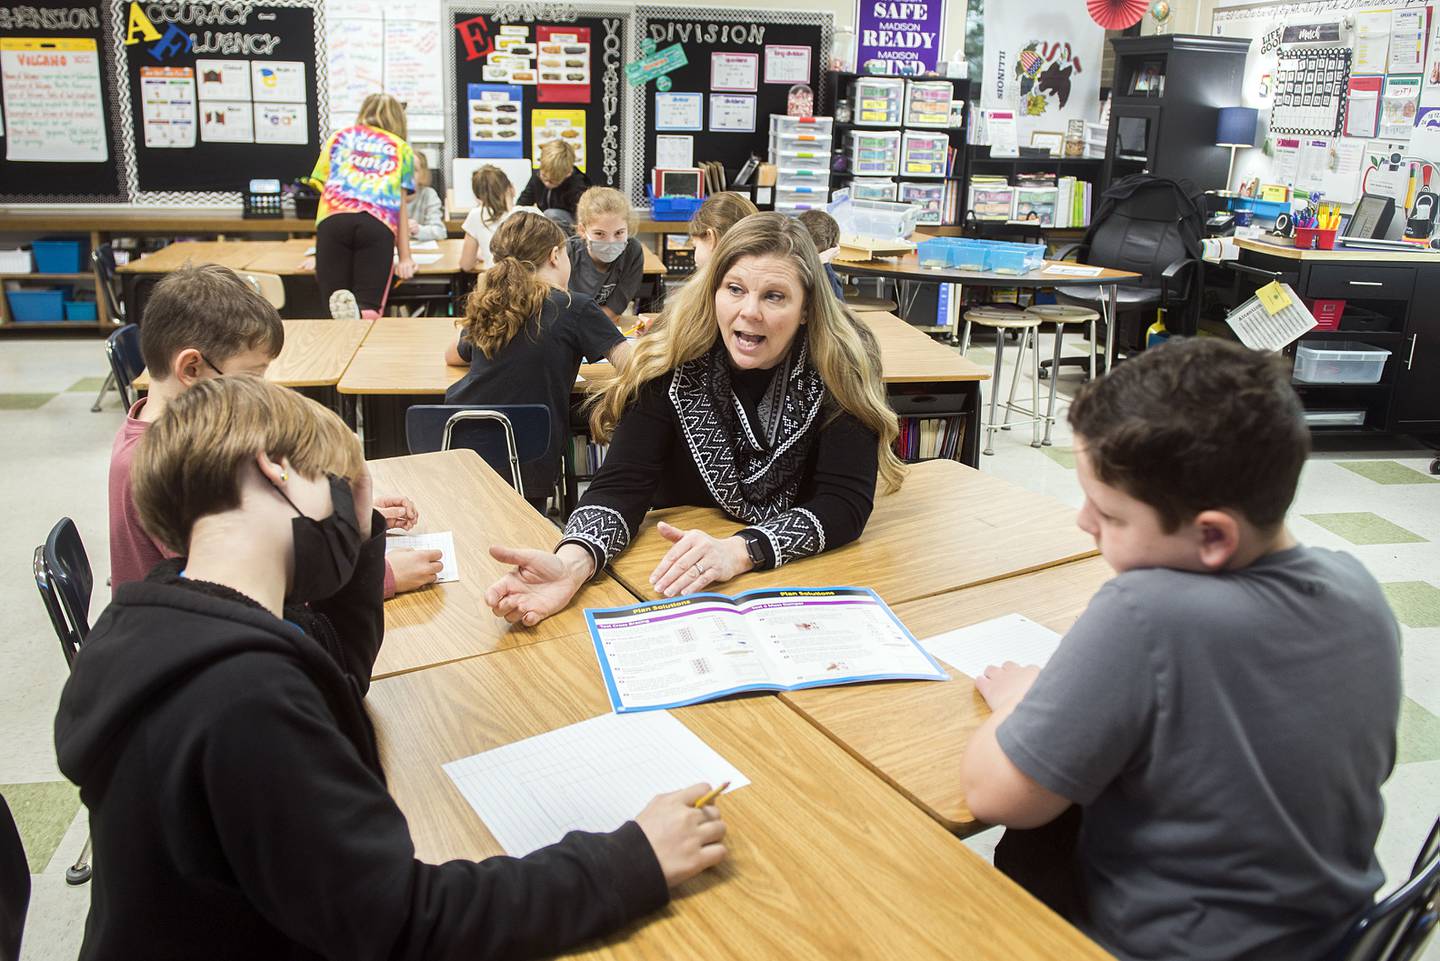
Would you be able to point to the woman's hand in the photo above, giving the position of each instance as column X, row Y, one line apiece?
column 697, row 560
column 541, row 583
column 405, row 268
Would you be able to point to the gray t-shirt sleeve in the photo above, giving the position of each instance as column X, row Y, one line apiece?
column 630, row 274
column 465, row 349
column 1091, row 710
column 595, row 334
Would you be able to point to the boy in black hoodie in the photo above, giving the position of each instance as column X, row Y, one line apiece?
column 219, row 738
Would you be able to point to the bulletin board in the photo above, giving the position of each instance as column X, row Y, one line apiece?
column 70, row 103
column 771, row 41
column 219, row 94
column 496, row 57
column 1333, row 157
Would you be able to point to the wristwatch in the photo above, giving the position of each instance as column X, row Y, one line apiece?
column 753, row 547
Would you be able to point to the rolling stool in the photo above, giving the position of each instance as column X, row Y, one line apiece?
column 1059, row 315
column 1001, row 319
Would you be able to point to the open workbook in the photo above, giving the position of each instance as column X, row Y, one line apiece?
column 704, row 646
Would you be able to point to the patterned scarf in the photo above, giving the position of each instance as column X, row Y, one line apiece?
column 751, row 478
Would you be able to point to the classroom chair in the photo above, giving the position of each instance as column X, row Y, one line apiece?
column 1398, row 927
column 63, row 577
column 122, row 349
column 269, row 286
column 1059, row 316
column 1003, row 320
column 505, row 436
column 108, row 291
column 14, row 885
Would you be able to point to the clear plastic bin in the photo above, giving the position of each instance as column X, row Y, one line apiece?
column 813, row 126
column 878, row 101
column 874, row 218
column 1340, row 362
column 862, row 188
column 874, row 154
column 1335, row 418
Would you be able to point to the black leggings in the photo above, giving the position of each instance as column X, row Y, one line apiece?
column 354, row 252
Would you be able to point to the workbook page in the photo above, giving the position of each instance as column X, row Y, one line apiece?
column 831, row 635
column 591, row 776
column 1013, row 637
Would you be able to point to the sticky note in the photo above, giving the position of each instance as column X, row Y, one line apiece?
column 1273, row 297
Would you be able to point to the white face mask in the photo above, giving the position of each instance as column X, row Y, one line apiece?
column 606, row 251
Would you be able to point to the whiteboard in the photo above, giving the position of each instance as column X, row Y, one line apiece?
column 461, row 168
column 391, row 46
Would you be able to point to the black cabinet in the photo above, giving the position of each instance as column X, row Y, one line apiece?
column 1416, row 405
column 1165, row 104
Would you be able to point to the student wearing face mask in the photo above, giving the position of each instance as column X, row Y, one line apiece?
column 757, row 393
column 605, row 261
column 215, row 725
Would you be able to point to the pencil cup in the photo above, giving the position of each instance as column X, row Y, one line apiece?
column 1313, row 238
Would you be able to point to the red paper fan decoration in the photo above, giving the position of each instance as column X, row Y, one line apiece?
column 1117, row 14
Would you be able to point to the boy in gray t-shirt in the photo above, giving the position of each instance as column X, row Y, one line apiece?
column 1224, row 711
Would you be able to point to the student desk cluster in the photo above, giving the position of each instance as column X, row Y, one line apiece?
column 843, row 844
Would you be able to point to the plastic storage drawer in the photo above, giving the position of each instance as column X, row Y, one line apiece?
column 814, row 126
column 1340, row 362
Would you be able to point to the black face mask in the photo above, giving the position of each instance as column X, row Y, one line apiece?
column 326, row 551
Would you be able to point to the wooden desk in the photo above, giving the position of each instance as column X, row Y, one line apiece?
column 948, row 527
column 877, row 722
column 654, row 266
column 456, row 491
column 235, row 254
column 826, row 861
column 1341, row 255
column 316, row 353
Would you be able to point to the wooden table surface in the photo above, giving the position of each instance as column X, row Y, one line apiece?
column 948, row 527
column 407, row 356
column 908, row 268
column 316, row 353
column 456, row 491
column 1340, row 255
column 877, row 723
column 826, row 860
column 235, row 254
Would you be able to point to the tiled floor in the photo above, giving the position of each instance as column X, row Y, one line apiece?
column 1381, row 505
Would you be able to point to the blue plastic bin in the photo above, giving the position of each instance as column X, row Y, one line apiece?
column 1011, row 258
column 81, row 310
column 36, row 306
column 1261, row 209
column 936, row 252
column 56, row 256
column 673, row 208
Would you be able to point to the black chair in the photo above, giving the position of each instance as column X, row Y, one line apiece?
column 108, row 291
column 122, row 348
column 1151, row 226
column 14, row 885
column 505, row 436
column 1398, row 927
column 65, row 582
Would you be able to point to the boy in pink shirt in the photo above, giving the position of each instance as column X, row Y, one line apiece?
column 203, row 322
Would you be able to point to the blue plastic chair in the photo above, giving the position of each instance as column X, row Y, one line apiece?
column 108, row 290
column 122, row 348
column 505, row 436
column 65, row 582
column 1398, row 927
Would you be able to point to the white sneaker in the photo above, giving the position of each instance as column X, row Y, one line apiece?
column 343, row 306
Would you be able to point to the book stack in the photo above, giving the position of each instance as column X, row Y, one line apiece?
column 928, row 438
column 586, row 456
column 1073, row 206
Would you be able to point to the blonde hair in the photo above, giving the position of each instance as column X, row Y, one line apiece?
column 557, row 159
column 509, row 294
column 422, row 170
column 384, row 111
column 188, row 463
column 719, row 213
column 492, row 191
column 601, row 202
column 842, row 348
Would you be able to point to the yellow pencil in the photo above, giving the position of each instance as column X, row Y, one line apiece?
column 712, row 795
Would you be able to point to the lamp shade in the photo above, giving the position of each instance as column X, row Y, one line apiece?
column 1237, row 127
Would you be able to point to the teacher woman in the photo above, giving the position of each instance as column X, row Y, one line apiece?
column 756, row 393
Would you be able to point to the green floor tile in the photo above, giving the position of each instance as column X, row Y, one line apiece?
column 1387, row 472
column 1363, row 527
column 1064, row 456
column 1419, row 735
column 1415, row 603
column 43, row 813
column 86, row 385
column 25, row 401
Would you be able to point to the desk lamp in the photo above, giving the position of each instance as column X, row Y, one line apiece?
column 1235, row 129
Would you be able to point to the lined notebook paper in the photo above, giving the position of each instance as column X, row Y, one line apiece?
column 1013, row 637
column 591, row 776
column 442, row 541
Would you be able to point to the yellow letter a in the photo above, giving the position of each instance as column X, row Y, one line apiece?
column 139, row 23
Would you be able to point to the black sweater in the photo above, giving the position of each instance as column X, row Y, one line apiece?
column 654, row 462
column 565, row 197
column 238, row 808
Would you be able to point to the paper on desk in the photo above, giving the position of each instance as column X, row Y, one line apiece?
column 442, row 541
column 310, row 251
column 421, row 259
column 1013, row 637
column 591, row 776
column 424, row 245
column 1067, row 270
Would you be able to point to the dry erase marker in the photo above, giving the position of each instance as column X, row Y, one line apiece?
column 712, row 795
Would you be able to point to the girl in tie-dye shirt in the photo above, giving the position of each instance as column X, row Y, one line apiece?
column 367, row 171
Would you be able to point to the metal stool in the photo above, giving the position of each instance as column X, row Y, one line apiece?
column 1001, row 319
column 1059, row 315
